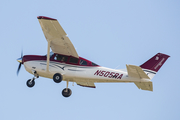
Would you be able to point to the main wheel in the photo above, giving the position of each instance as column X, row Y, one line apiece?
column 57, row 78
column 30, row 83
column 66, row 92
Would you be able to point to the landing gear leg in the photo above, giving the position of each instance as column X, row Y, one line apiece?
column 67, row 86
column 66, row 92
column 31, row 82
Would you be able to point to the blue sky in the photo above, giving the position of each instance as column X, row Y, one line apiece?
column 109, row 33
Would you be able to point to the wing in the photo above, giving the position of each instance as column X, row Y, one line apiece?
column 57, row 37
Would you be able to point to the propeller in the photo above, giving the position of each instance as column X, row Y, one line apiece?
column 20, row 62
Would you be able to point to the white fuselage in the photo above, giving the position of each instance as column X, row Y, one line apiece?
column 75, row 73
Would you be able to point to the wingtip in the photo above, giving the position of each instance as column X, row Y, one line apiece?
column 44, row 17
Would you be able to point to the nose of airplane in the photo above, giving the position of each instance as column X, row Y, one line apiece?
column 19, row 60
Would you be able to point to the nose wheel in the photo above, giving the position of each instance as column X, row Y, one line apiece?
column 66, row 92
column 30, row 83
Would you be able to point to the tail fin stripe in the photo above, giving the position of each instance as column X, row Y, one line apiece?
column 149, row 71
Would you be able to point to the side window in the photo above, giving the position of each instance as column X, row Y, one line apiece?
column 94, row 64
column 83, row 62
column 73, row 60
column 61, row 58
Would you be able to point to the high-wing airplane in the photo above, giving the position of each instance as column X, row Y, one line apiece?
column 63, row 63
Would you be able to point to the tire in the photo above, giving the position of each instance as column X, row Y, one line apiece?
column 66, row 93
column 30, row 84
column 57, row 78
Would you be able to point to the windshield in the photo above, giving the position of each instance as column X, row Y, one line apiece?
column 51, row 53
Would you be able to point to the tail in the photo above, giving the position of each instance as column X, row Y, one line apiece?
column 152, row 66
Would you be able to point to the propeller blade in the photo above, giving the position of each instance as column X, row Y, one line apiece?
column 20, row 62
column 19, row 68
column 21, row 53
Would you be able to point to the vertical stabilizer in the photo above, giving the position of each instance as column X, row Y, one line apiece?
column 154, row 64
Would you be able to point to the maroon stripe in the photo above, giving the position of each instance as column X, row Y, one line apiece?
column 27, row 58
column 87, row 86
column 44, row 17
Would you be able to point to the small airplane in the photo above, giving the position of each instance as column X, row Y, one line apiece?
column 63, row 63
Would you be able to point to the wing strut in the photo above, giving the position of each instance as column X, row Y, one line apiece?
column 48, row 55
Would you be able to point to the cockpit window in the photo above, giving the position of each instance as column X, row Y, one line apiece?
column 73, row 60
column 83, row 62
column 61, row 58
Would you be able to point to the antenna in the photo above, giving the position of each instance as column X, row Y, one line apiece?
column 117, row 67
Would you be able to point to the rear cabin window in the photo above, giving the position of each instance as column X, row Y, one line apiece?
column 61, row 58
column 94, row 64
column 83, row 62
column 73, row 60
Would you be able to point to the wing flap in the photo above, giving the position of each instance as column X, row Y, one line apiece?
column 136, row 71
column 86, row 84
column 144, row 85
column 57, row 37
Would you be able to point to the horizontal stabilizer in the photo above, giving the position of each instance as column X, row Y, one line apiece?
column 136, row 71
column 144, row 85
column 86, row 84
